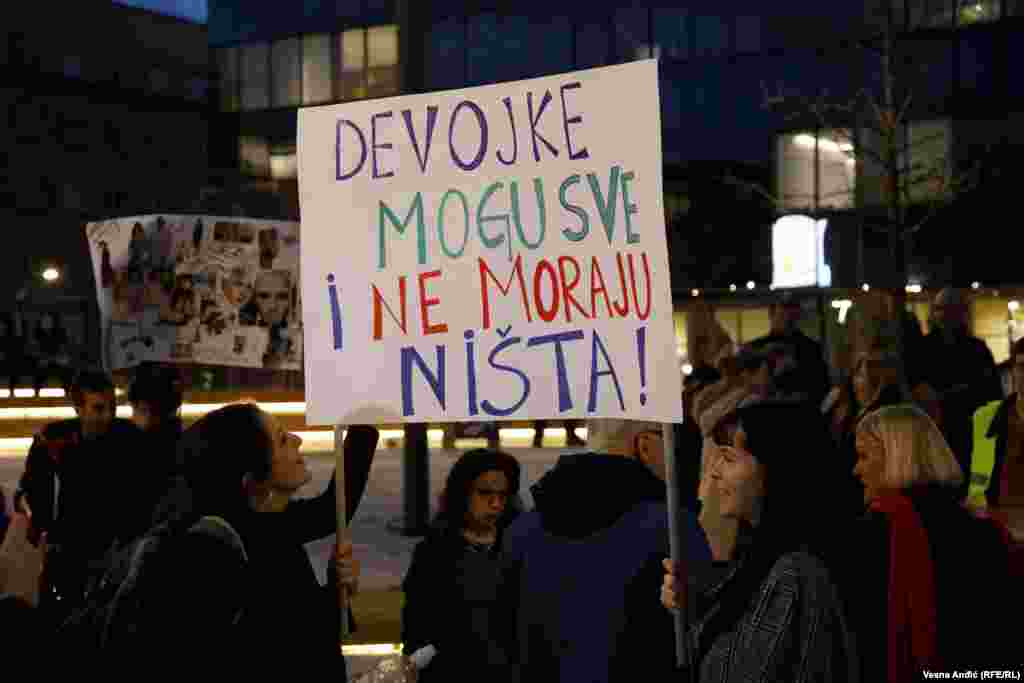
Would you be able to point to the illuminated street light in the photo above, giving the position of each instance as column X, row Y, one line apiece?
column 695, row 292
column 732, row 288
column 975, row 285
column 751, row 285
column 866, row 287
column 51, row 274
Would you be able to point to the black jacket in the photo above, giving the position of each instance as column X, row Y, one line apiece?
column 964, row 374
column 192, row 588
column 451, row 593
column 971, row 580
column 810, row 377
column 96, row 505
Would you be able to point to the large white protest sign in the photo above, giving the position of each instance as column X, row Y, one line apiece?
column 198, row 289
column 489, row 253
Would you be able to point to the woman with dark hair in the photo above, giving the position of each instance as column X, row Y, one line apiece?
column 255, row 592
column 449, row 627
column 772, row 613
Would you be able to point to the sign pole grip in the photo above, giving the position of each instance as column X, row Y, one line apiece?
column 343, row 530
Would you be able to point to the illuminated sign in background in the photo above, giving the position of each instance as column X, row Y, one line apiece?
column 798, row 253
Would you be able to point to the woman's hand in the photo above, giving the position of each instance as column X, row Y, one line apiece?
column 668, row 586
column 347, row 568
column 21, row 562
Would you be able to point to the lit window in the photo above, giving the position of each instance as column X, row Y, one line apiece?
column 922, row 166
column 352, row 77
column 287, row 61
column 227, row 67
column 316, row 69
column 382, row 59
column 254, row 156
column 977, row 11
column 836, row 170
column 283, row 162
column 928, row 149
column 255, row 62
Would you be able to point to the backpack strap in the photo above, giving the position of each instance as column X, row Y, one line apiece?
column 221, row 529
column 218, row 527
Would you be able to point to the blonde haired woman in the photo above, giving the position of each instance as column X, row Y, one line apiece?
column 922, row 568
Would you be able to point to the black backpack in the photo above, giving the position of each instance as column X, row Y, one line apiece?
column 114, row 608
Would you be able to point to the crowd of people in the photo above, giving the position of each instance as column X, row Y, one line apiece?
column 851, row 532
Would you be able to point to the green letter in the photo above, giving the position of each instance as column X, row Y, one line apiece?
column 492, row 242
column 631, row 237
column 440, row 224
column 572, row 208
column 538, row 188
column 606, row 209
column 421, row 236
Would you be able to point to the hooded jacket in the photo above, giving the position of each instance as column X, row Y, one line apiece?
column 583, row 572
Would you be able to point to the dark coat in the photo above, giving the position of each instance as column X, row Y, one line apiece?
column 195, row 584
column 451, row 602
column 810, row 377
column 971, row 581
column 964, row 375
column 96, row 505
column 792, row 628
column 583, row 573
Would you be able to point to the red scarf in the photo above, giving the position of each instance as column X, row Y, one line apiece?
column 912, row 636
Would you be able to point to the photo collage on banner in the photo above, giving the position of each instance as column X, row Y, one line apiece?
column 198, row 289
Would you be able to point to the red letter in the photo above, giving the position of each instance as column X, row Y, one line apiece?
column 568, row 286
column 517, row 271
column 597, row 277
column 632, row 279
column 547, row 315
column 623, row 310
column 378, row 301
column 425, row 303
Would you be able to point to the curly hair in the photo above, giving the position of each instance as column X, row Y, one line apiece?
column 454, row 501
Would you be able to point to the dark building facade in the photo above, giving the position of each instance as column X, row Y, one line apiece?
column 765, row 108
column 100, row 122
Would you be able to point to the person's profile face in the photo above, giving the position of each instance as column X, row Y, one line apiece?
column 96, row 411
column 273, row 295
column 288, row 470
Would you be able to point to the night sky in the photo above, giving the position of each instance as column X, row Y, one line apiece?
column 194, row 10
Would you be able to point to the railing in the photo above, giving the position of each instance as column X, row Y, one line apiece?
column 25, row 413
